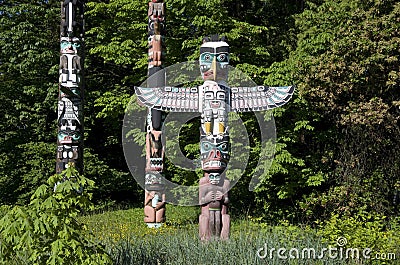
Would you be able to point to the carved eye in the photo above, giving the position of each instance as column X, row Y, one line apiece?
column 207, row 146
column 64, row 44
column 221, row 57
column 76, row 43
column 220, row 95
column 209, row 95
column 75, row 136
column 224, row 147
column 207, row 57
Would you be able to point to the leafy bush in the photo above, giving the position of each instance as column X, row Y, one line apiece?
column 364, row 230
column 47, row 230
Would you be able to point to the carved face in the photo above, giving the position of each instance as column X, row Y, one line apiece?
column 214, row 60
column 70, row 45
column 156, row 15
column 214, row 178
column 214, row 153
column 68, row 136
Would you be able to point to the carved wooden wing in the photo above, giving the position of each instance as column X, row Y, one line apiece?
column 244, row 99
column 175, row 99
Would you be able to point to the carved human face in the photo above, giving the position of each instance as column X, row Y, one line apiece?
column 214, row 60
column 214, row 153
column 214, row 178
column 70, row 45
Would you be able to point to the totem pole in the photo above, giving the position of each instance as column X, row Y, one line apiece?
column 154, row 201
column 214, row 99
column 214, row 220
column 71, row 86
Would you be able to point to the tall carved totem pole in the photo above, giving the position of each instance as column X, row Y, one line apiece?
column 154, row 202
column 214, row 100
column 71, row 86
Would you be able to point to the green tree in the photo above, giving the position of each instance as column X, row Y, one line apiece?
column 345, row 65
column 28, row 89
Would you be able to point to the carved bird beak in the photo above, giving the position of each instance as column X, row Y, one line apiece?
column 214, row 68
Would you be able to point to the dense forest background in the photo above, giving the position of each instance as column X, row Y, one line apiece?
column 337, row 148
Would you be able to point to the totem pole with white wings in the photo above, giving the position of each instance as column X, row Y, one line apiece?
column 214, row 100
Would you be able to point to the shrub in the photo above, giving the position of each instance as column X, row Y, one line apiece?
column 363, row 230
column 47, row 230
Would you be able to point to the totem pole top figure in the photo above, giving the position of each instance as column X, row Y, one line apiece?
column 214, row 59
column 214, row 62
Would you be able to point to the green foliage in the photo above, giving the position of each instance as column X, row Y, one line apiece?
column 319, row 151
column 336, row 139
column 27, row 77
column 364, row 230
column 27, row 94
column 29, row 60
column 111, row 185
column 23, row 170
column 47, row 230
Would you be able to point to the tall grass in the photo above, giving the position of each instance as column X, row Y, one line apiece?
column 129, row 241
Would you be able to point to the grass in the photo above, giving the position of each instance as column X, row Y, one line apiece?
column 114, row 226
column 129, row 241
